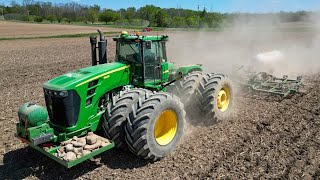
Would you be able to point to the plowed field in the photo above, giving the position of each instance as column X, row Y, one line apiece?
column 265, row 139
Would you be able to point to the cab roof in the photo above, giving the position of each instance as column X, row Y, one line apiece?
column 124, row 36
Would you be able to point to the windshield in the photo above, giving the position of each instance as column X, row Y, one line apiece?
column 128, row 51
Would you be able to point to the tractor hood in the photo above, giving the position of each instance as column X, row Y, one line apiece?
column 82, row 76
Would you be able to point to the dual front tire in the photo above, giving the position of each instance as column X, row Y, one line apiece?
column 148, row 124
column 155, row 126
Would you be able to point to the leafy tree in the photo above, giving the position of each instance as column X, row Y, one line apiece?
column 81, row 19
column 130, row 13
column 59, row 19
column 34, row 9
column 122, row 13
column 92, row 15
column 178, row 22
column 203, row 13
column 161, row 18
column 148, row 12
column 215, row 20
column 68, row 20
column 109, row 16
column 95, row 7
column 192, row 22
column 51, row 18
column 26, row 18
column 38, row 19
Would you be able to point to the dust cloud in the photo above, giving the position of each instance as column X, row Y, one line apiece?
column 227, row 50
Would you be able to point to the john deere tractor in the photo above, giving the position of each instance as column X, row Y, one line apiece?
column 139, row 100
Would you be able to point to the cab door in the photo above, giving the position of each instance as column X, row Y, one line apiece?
column 156, row 66
column 152, row 65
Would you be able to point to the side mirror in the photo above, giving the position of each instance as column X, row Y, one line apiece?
column 148, row 44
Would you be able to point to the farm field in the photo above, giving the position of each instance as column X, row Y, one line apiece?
column 266, row 138
column 26, row 30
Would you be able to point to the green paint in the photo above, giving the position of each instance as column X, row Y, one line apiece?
column 36, row 115
column 141, row 38
column 28, row 133
column 188, row 68
column 141, row 61
column 108, row 76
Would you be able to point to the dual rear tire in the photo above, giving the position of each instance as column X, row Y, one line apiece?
column 208, row 98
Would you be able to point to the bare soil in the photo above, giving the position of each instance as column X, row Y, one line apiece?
column 265, row 139
column 16, row 30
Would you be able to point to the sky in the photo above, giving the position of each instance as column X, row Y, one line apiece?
column 211, row 5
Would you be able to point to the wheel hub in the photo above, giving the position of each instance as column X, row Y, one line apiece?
column 223, row 99
column 166, row 127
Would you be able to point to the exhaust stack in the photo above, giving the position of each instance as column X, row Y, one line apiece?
column 102, row 48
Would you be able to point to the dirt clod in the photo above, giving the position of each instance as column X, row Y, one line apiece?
column 69, row 147
column 93, row 146
column 78, row 144
column 90, row 133
column 70, row 156
column 61, row 149
column 92, row 139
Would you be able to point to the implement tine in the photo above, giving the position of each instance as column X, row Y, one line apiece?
column 269, row 84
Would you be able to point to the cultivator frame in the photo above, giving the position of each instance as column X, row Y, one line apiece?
column 263, row 82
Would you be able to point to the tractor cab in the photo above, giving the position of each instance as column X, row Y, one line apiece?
column 147, row 57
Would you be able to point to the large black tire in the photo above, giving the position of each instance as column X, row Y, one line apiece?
column 187, row 90
column 216, row 105
column 115, row 117
column 159, row 115
column 175, row 88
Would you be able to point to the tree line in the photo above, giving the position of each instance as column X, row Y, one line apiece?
column 148, row 15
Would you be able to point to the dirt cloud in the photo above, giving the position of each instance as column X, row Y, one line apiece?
column 237, row 45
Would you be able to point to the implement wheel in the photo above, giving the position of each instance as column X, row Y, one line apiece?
column 216, row 97
column 117, row 112
column 156, row 126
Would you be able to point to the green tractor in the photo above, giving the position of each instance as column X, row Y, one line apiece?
column 139, row 101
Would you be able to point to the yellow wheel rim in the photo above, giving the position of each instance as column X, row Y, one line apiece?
column 166, row 127
column 223, row 99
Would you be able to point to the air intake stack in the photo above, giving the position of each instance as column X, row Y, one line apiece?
column 102, row 49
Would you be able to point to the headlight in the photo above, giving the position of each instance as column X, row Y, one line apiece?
column 61, row 93
column 56, row 93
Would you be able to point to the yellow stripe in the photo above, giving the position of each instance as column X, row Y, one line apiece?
column 106, row 77
column 165, row 71
column 101, row 75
